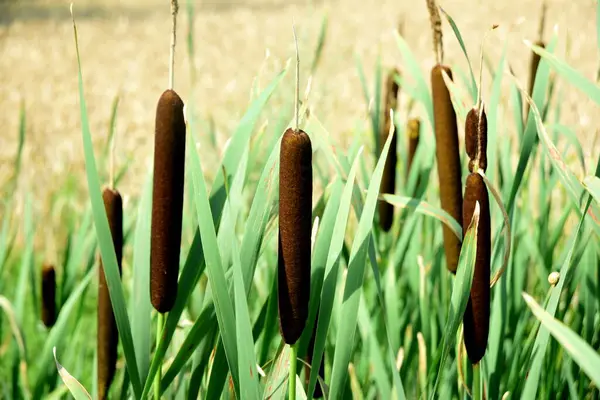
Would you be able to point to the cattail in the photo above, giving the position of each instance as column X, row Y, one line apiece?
column 167, row 200
column 413, row 132
column 388, row 180
column 48, row 295
column 448, row 160
column 533, row 67
column 476, row 319
column 108, row 335
column 318, row 393
column 295, row 208
column 476, row 139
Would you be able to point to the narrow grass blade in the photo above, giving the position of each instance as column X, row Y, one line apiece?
column 331, row 273
column 58, row 333
column 276, row 386
column 26, row 262
column 77, row 390
column 141, row 309
column 239, row 142
column 18, row 336
column 248, row 373
column 320, row 45
column 574, row 77
column 460, row 296
column 473, row 87
column 414, row 69
column 354, row 280
column 592, row 184
column 583, row 354
column 541, row 340
column 422, row 207
column 528, row 141
column 107, row 250
column 492, row 116
column 214, row 268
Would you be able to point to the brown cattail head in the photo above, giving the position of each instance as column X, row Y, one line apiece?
column 448, row 160
column 533, row 67
column 388, row 180
column 476, row 319
column 48, row 295
column 318, row 393
column 167, row 200
column 108, row 335
column 476, row 139
column 295, row 209
column 413, row 131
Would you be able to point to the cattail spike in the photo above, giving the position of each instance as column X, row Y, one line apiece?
column 388, row 181
column 108, row 334
column 295, row 216
column 167, row 200
column 413, row 133
column 476, row 139
column 436, row 29
column 476, row 319
column 48, row 295
column 448, row 160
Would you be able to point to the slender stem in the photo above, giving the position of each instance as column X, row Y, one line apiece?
column 174, row 9
column 297, row 97
column 157, row 377
column 476, row 390
column 292, row 378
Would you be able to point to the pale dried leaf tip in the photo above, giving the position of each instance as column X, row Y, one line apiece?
column 505, row 395
column 400, row 358
column 314, row 234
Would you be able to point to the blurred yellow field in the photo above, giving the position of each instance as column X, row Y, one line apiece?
column 124, row 49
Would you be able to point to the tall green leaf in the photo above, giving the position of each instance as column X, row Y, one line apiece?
column 583, row 354
column 354, row 280
column 107, row 250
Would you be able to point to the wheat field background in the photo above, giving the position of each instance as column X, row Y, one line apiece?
column 124, row 49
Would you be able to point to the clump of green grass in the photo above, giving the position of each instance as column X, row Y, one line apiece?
column 382, row 306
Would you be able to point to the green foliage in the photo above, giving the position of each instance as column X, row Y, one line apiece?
column 391, row 332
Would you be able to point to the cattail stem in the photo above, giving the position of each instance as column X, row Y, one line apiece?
column 174, row 10
column 292, row 378
column 297, row 93
column 159, row 326
column 476, row 390
column 436, row 30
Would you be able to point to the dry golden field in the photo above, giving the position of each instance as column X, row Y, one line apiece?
column 124, row 49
